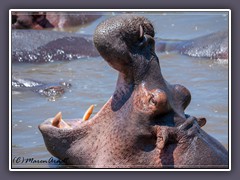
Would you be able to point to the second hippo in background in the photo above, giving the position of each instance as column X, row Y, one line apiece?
column 213, row 46
column 30, row 20
column 37, row 46
column 58, row 20
column 62, row 20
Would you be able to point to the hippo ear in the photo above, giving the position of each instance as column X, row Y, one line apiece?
column 201, row 121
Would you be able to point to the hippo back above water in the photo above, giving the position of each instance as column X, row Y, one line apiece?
column 213, row 46
column 143, row 124
column 38, row 46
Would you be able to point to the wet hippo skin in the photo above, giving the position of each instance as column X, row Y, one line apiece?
column 63, row 20
column 213, row 46
column 38, row 46
column 143, row 125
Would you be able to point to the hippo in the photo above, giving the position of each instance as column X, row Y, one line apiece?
column 213, row 46
column 143, row 124
column 50, row 90
column 30, row 20
column 62, row 20
column 50, row 20
column 37, row 46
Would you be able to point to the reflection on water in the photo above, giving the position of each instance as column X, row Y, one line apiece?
column 93, row 82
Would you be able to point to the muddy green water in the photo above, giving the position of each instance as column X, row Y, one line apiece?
column 93, row 82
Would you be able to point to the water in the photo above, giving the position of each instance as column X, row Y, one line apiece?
column 93, row 82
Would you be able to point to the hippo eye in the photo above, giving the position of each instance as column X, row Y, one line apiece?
column 152, row 101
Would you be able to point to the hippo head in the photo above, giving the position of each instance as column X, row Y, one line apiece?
column 127, row 44
column 143, row 124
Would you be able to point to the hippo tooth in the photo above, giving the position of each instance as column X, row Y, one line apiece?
column 59, row 122
column 63, row 124
column 57, row 119
column 141, row 32
column 88, row 113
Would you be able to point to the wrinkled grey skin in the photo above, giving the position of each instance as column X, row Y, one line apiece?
column 52, row 90
column 213, row 46
column 40, row 46
column 143, row 125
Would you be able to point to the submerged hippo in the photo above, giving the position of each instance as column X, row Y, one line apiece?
column 50, row 90
column 213, row 46
column 143, row 125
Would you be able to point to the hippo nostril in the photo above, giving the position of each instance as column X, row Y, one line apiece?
column 144, row 39
column 141, row 33
column 143, row 42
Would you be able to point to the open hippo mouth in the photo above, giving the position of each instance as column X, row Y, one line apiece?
column 143, row 125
